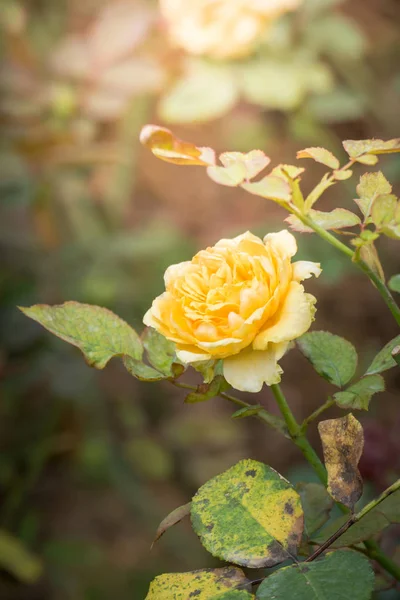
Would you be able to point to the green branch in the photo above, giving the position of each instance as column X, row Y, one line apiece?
column 263, row 415
column 301, row 441
column 373, row 549
column 378, row 283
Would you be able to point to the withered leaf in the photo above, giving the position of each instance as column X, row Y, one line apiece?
column 172, row 519
column 342, row 443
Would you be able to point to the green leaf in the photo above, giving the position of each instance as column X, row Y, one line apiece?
column 282, row 83
column 316, row 503
column 386, row 513
column 358, row 395
column 368, row 254
column 336, row 219
column 356, row 148
column 228, row 583
column 166, row 146
column 323, row 34
column 341, row 104
column 384, row 361
column 325, row 183
column 342, row 444
column 208, row 369
column 370, row 187
column 367, row 159
column 172, row 519
column 161, row 353
column 249, row 515
column 383, row 209
column 238, row 167
column 206, row 91
column 18, row 560
column 338, row 575
column 206, row 391
column 320, row 155
column 333, row 357
column 96, row 331
column 247, row 411
column 287, row 172
column 396, row 355
column 270, row 187
column 142, row 371
column 342, row 175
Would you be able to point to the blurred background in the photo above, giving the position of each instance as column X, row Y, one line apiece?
column 90, row 462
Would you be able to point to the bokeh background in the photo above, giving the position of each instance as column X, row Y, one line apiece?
column 90, row 462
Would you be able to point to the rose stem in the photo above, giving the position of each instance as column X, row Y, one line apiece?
column 312, row 458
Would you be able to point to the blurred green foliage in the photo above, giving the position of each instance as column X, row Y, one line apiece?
column 90, row 463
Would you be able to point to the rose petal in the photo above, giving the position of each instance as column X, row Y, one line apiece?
column 188, row 357
column 282, row 242
column 304, row 269
column 291, row 321
column 250, row 369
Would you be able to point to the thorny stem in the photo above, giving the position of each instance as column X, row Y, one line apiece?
column 301, row 441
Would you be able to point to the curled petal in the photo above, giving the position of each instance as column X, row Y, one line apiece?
column 292, row 319
column 304, row 269
column 250, row 369
column 282, row 242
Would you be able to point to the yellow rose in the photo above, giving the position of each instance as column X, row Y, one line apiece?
column 220, row 28
column 239, row 301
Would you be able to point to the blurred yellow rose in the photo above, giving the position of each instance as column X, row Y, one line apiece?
column 239, row 301
column 220, row 28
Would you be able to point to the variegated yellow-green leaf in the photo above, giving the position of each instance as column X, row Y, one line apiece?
column 338, row 218
column 358, row 395
column 228, row 583
column 166, row 146
column 96, row 331
column 384, row 360
column 172, row 519
column 270, row 187
column 238, row 167
column 333, row 357
column 384, row 514
column 356, row 148
column 316, row 503
column 161, row 353
column 370, row 187
column 249, row 515
column 320, row 155
column 337, row 576
column 342, row 443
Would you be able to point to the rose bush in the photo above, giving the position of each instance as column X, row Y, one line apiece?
column 220, row 28
column 240, row 301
